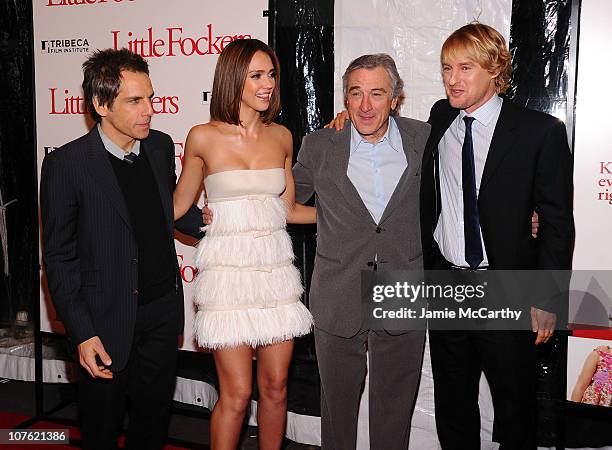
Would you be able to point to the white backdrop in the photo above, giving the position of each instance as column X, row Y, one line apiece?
column 180, row 40
column 412, row 32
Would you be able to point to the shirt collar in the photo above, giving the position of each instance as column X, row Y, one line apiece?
column 113, row 148
column 486, row 112
column 391, row 136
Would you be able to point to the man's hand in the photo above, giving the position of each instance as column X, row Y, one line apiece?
column 543, row 323
column 88, row 350
column 535, row 224
column 338, row 122
column 207, row 215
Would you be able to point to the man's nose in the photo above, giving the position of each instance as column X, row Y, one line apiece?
column 365, row 105
column 149, row 111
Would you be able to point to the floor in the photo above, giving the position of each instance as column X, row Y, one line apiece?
column 188, row 428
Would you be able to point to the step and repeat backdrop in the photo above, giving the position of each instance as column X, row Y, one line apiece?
column 181, row 42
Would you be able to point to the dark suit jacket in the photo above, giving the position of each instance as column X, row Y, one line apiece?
column 90, row 251
column 528, row 167
column 347, row 236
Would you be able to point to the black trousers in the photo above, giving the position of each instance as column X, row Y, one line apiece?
column 147, row 381
column 509, row 363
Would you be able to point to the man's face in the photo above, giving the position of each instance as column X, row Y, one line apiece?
column 468, row 85
column 130, row 116
column 369, row 101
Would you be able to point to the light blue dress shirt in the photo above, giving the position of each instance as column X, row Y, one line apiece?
column 375, row 169
column 114, row 149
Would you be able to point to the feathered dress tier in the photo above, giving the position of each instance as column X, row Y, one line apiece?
column 247, row 291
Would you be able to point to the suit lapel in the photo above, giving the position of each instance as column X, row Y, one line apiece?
column 101, row 171
column 438, row 129
column 503, row 138
column 408, row 177
column 158, row 174
column 341, row 153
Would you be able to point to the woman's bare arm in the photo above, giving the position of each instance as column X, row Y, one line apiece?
column 296, row 212
column 190, row 181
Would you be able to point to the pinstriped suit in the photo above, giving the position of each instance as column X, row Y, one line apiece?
column 90, row 252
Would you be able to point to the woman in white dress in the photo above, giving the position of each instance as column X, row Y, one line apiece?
column 247, row 290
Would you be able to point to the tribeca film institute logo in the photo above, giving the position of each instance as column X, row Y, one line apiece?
column 58, row 46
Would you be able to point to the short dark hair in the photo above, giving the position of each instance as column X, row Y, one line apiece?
column 102, row 75
column 230, row 75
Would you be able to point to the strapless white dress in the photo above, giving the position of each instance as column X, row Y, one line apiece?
column 247, row 290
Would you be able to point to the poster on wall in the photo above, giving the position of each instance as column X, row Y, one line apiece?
column 589, row 371
column 590, row 311
column 591, row 301
column 181, row 41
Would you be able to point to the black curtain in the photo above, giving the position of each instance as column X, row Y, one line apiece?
column 19, row 291
column 302, row 34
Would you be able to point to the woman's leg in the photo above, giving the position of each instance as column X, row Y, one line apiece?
column 272, row 368
column 234, row 369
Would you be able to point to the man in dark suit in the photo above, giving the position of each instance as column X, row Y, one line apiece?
column 106, row 202
column 487, row 166
column 366, row 183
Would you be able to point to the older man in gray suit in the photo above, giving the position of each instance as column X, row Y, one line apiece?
column 366, row 184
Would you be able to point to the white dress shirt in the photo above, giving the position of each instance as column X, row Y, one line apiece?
column 449, row 233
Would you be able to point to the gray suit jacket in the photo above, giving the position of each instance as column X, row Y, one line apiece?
column 347, row 236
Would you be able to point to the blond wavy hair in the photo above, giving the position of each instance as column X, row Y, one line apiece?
column 484, row 45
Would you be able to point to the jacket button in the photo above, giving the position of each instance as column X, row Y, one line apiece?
column 135, row 291
column 378, row 229
column 134, row 261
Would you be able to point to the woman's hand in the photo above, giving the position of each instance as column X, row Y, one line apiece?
column 207, row 215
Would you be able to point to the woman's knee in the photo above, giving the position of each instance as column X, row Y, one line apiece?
column 237, row 398
column 273, row 388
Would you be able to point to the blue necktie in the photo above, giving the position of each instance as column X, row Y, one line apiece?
column 471, row 222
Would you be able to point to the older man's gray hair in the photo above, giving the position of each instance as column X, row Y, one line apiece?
column 371, row 62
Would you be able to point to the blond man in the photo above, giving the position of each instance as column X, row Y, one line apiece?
column 482, row 151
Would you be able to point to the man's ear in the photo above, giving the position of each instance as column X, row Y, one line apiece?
column 102, row 110
column 394, row 103
column 494, row 73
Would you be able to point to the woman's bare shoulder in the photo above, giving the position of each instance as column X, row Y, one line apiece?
column 206, row 129
column 205, row 134
column 282, row 135
column 279, row 130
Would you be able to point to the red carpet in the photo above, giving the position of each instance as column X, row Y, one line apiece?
column 9, row 420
